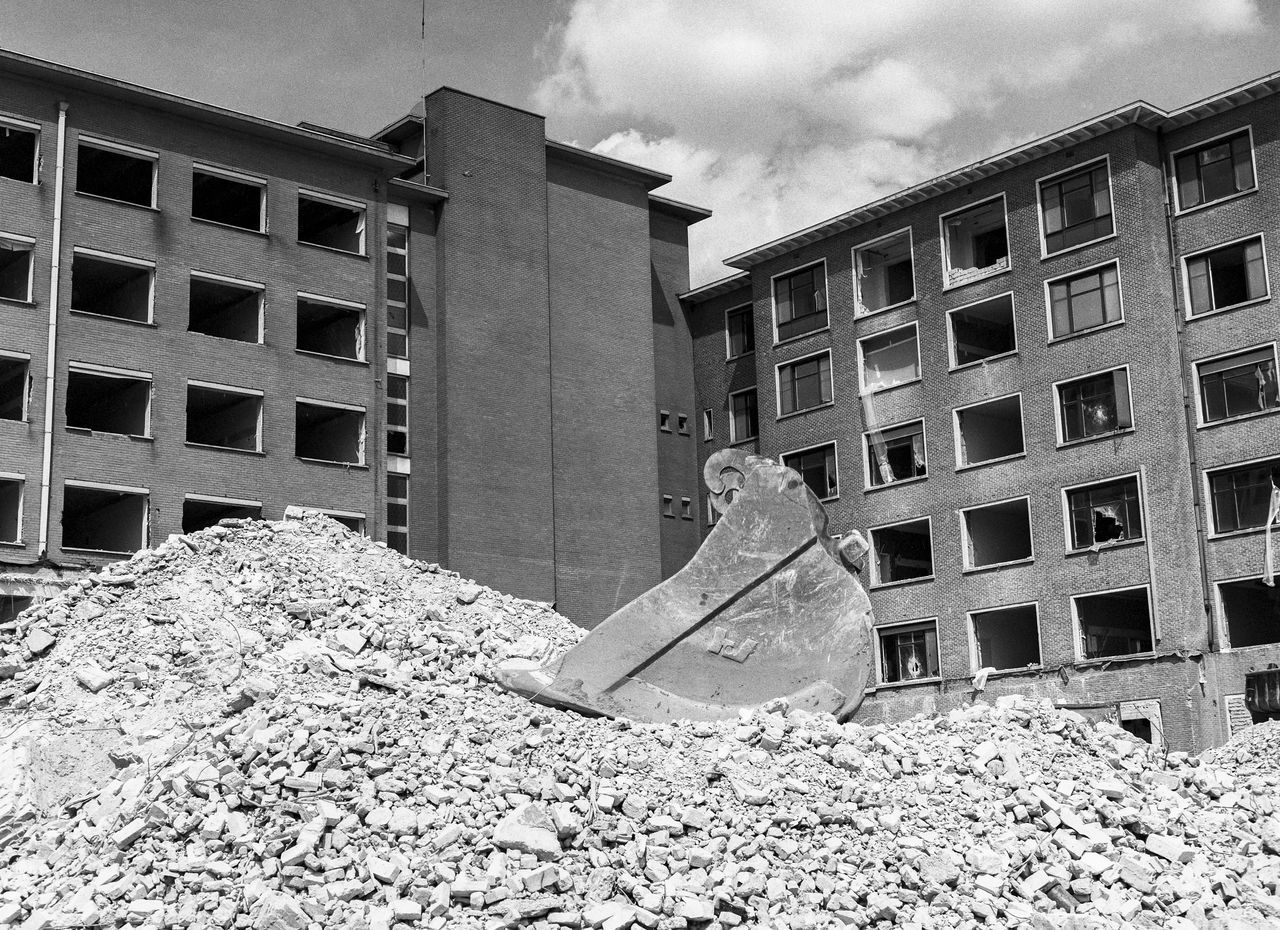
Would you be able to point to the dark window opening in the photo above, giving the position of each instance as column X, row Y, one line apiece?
column 990, row 431
column 1116, row 623
column 111, row 288
column 224, row 200
column 801, row 301
column 354, row 523
column 329, row 434
column 1211, row 172
column 200, row 514
column 116, row 175
column 998, row 533
column 1252, row 612
column 225, row 310
column 902, row 552
column 1137, row 726
column 18, row 153
column 983, row 330
column 397, row 415
column 108, row 403
column 1238, row 385
column 398, row 513
column 11, row 605
column 884, row 273
column 14, row 386
column 1077, row 208
column 103, row 520
column 397, row 291
column 896, row 454
column 668, row 504
column 1241, row 497
column 330, row 329
column 225, row 418
column 1103, row 513
column 909, row 653
column 332, row 225
column 1234, row 274
column 15, row 269
column 1007, row 637
column 977, row 243
column 818, row 469
column 805, row 384
column 742, row 332
column 743, row 420
column 890, row 359
column 10, row 510
column 1095, row 406
column 682, row 424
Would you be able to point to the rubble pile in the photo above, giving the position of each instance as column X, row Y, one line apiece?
column 287, row 726
column 1253, row 753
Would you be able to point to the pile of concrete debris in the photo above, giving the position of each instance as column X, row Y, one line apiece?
column 1253, row 753
column 288, row 726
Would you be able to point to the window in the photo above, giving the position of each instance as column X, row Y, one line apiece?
column 397, row 415
column 111, row 285
column 330, row 327
column 1113, row 623
column 1006, row 637
column 740, row 331
column 11, row 508
column 901, row 552
column 1251, row 610
column 668, row 504
column 355, row 522
column 817, row 466
column 890, row 358
column 895, row 454
column 1109, row 511
column 397, row 291
column 225, row 307
column 228, row 198
column 997, row 534
column 398, row 513
column 713, row 516
column 682, row 424
column 800, row 301
column 908, row 652
column 13, row 603
column 664, row 421
column 331, row 222
column 708, row 425
column 108, row 400
column 1217, row 169
column 226, row 417
column 200, row 513
column 329, row 432
column 1237, row 385
column 982, row 331
column 884, row 273
column 117, row 172
column 15, row 386
column 686, row 509
column 989, row 431
column 1076, row 208
column 104, row 518
column 1084, row 301
column 19, row 145
column 743, row 422
column 1226, row 277
column 804, row 384
column 1097, row 405
column 1241, row 496
column 16, row 256
column 975, row 242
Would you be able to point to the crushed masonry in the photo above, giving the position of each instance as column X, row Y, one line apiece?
column 284, row 726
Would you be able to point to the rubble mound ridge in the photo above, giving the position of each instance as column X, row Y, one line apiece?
column 1254, row 752
column 284, row 725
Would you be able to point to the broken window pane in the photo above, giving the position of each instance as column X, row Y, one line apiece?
column 801, row 302
column 996, row 534
column 1085, row 301
column 1238, row 385
column 224, row 417
column 804, row 384
column 110, row 287
column 896, row 454
column 1241, row 496
column 1234, row 274
column 818, row 469
column 103, row 519
column 976, row 242
column 1007, row 637
column 18, row 148
column 116, row 175
column 1095, row 406
column 884, row 273
column 990, row 431
column 983, row 330
column 332, row 225
column 902, row 552
column 1106, row 512
column 221, row 199
column 1252, row 612
column 890, row 358
column 10, row 510
column 743, row 421
column 14, row 387
column 200, row 513
column 225, row 309
column 329, row 434
column 1114, row 623
column 1077, row 208
column 741, row 331
column 909, row 653
column 330, row 329
column 1219, row 169
column 108, row 403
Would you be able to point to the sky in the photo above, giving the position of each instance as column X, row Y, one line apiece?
column 775, row 114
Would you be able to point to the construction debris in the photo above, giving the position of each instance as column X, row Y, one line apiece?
column 299, row 731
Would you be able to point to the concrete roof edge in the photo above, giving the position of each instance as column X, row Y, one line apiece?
column 688, row 212
column 715, row 288
column 416, row 191
column 614, row 166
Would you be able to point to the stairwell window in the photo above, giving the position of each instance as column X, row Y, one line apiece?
column 817, row 466
column 800, row 301
column 1238, row 385
column 1084, row 301
column 1103, row 512
column 1214, row 170
column 804, row 384
column 1227, row 276
column 908, row 652
column 1093, row 406
column 1075, row 207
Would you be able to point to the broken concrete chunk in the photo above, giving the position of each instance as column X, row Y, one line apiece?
column 469, row 594
column 39, row 640
column 528, row 829
column 93, row 676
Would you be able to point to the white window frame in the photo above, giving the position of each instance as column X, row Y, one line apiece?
column 1065, row 493
column 1179, row 210
column 856, row 264
column 773, row 300
column 1186, row 279
column 750, row 308
column 306, row 193
column 862, row 367
column 124, row 374
column 98, row 142
column 1220, row 613
column 835, row 451
column 362, row 326
column 1206, row 486
column 777, row 386
column 1057, row 175
column 26, row 386
column 237, row 282
column 1077, row 632
column 1062, row 443
column 230, row 389
column 227, row 173
column 1080, row 273
column 121, row 260
column 975, row 657
column 965, row 547
column 363, row 439
column 955, row 432
column 22, row 502
column 144, row 493
column 943, row 243
column 866, row 454
column 1201, row 422
column 31, row 263
column 878, row 629
column 873, row 570
column 952, row 364
column 23, row 125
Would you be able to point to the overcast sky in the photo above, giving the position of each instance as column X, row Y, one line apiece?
column 774, row 114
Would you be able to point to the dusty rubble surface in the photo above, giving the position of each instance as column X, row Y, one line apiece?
column 1252, row 753
column 286, row 726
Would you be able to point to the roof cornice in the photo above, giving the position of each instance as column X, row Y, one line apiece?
column 725, row 285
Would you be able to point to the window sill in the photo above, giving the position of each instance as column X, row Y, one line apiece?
column 861, row 314
column 993, row 272
column 805, row 335
column 800, row 413
column 12, row 544
column 123, row 203
column 1085, row 440
column 1216, row 310
column 1122, row 657
column 85, row 431
column 5, row 178
column 1118, row 544
column 977, row 569
column 894, row 685
column 243, row 342
column 895, row 484
column 334, row 249
column 1004, row 458
column 1268, row 646
column 1053, row 340
column 205, row 445
column 866, row 389
column 1178, row 214
column 743, row 442
column 333, row 358
column 23, row 420
column 1046, row 255
column 118, row 319
column 1246, row 531
column 1238, row 418
column 881, row 585
column 738, row 358
column 17, row 301
column 983, row 361
column 332, row 463
column 260, row 233
column 1036, row 669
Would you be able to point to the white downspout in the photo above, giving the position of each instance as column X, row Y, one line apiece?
column 46, row 473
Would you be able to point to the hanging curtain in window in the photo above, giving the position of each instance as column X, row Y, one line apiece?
column 917, row 452
column 1268, row 569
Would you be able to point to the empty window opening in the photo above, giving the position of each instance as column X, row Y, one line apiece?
column 109, row 287
column 1007, row 637
column 11, row 605
column 976, row 242
column 1210, row 172
column 104, row 519
column 682, row 424
column 1103, row 513
column 15, row 384
column 804, row 384
column 10, row 509
column 397, row 415
column 330, row 224
column 1225, row 277
column 1095, row 406
column 355, row 522
column 1252, row 612
column 200, row 513
column 1143, row 720
column 224, row 417
column 744, row 423
column 329, row 434
column 397, row 291
column 108, row 403
column 18, row 148
column 1114, row 623
column 1238, row 385
column 890, row 359
column 226, row 200
column 686, row 509
column 909, row 652
column 990, row 431
column 117, row 175
column 896, row 454
column 740, row 329
column 801, row 302
column 902, row 552
column 884, row 273
column 983, row 330
column 1241, row 496
column 1085, row 301
column 668, row 505
column 225, row 309
column 1076, row 208
column 997, row 533
column 330, row 329
column 818, row 469
column 664, row 421
column 398, row 513
column 16, row 257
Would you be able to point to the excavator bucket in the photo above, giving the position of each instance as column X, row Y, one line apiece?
column 770, row 607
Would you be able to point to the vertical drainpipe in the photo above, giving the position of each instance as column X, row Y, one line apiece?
column 46, row 471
